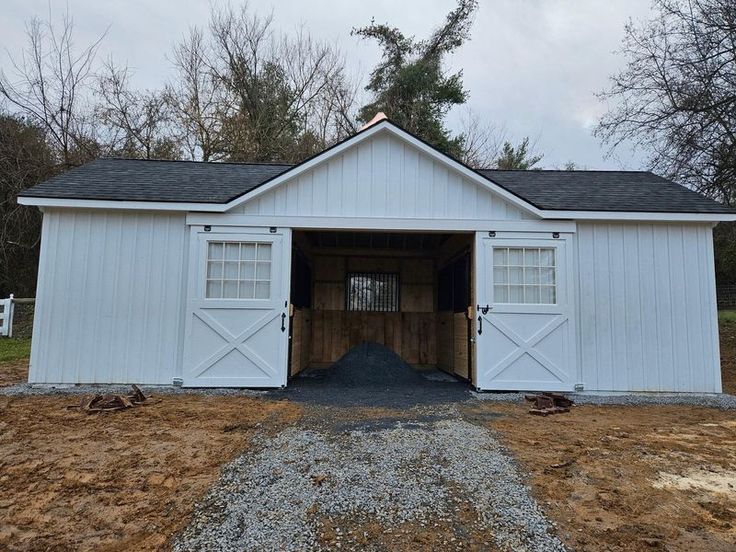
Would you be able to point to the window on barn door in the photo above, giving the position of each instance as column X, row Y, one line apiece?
column 372, row 291
column 238, row 270
column 524, row 275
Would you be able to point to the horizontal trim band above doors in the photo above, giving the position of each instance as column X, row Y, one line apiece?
column 395, row 224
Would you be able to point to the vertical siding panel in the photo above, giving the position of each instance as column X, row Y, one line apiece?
column 679, row 323
column 712, row 312
column 319, row 184
column 44, row 299
column 469, row 196
column 587, row 306
column 333, row 197
column 711, row 342
column 634, row 363
column 349, row 182
column 663, row 308
column 267, row 204
column 693, row 266
column 437, row 189
column 381, row 149
column 453, row 207
column 604, row 345
column 363, row 179
column 484, row 207
column 393, row 179
column 650, row 319
column 292, row 198
column 617, row 285
column 73, row 332
column 424, row 187
column 93, row 321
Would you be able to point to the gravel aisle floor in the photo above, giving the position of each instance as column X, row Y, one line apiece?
column 415, row 471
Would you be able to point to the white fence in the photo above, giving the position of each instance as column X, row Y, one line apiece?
column 6, row 317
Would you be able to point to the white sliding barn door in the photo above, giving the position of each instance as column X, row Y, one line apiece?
column 237, row 309
column 525, row 319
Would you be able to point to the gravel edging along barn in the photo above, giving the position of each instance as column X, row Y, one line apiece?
column 708, row 400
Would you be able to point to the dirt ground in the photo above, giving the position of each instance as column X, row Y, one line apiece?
column 119, row 480
column 15, row 371
column 613, row 478
column 630, row 478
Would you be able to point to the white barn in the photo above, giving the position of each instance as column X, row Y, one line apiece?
column 218, row 274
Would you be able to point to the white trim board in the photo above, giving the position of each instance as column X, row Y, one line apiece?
column 369, row 223
column 194, row 208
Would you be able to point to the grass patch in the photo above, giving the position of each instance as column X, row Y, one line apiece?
column 14, row 349
column 727, row 316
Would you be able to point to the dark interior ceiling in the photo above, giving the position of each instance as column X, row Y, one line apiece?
column 377, row 240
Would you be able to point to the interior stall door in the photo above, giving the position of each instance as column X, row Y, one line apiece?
column 237, row 309
column 525, row 314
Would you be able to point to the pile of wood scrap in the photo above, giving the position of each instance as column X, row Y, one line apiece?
column 544, row 404
column 108, row 402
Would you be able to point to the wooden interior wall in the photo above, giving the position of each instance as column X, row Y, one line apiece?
column 301, row 340
column 454, row 352
column 411, row 333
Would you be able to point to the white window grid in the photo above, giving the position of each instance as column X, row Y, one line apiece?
column 238, row 270
column 525, row 275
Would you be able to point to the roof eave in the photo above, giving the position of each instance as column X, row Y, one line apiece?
column 634, row 216
column 120, row 204
column 622, row 216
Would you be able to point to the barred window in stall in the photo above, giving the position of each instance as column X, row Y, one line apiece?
column 372, row 291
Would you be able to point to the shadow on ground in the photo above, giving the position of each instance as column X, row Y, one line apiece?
column 371, row 375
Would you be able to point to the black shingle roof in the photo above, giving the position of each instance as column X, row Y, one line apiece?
column 193, row 182
column 168, row 181
column 635, row 191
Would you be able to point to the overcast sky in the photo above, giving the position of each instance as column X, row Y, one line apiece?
column 532, row 66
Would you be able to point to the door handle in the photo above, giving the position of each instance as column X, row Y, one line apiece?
column 283, row 322
column 480, row 325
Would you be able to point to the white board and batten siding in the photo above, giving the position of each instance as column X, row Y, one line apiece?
column 382, row 177
column 110, row 297
column 647, row 308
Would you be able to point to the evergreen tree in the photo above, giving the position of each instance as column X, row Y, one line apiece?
column 410, row 84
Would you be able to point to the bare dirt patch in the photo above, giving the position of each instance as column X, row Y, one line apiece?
column 118, row 480
column 630, row 478
column 461, row 533
column 13, row 371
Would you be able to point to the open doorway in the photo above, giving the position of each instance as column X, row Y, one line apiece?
column 407, row 292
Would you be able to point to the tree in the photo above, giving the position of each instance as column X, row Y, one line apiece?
column 50, row 78
column 25, row 160
column 139, row 122
column 676, row 98
column 410, row 83
column 518, row 158
column 280, row 93
column 481, row 142
column 197, row 99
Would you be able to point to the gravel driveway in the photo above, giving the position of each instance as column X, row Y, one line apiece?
column 340, row 474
